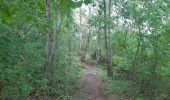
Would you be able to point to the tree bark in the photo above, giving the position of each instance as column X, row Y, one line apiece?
column 107, row 39
column 88, row 34
column 98, row 50
column 48, row 41
column 80, row 29
column 51, row 39
column 109, row 43
column 55, row 29
column 69, row 40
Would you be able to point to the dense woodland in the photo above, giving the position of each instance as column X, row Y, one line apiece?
column 44, row 44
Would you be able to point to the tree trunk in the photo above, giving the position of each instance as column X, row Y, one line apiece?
column 80, row 43
column 107, row 43
column 48, row 42
column 88, row 35
column 98, row 50
column 88, row 40
column 51, row 39
column 56, row 30
column 69, row 40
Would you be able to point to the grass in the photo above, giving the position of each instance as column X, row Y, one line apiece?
column 113, row 89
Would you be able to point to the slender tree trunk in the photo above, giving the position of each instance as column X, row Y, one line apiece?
column 89, row 34
column 105, row 27
column 48, row 42
column 109, row 43
column 80, row 43
column 98, row 51
column 88, row 40
column 154, row 65
column 51, row 39
column 135, row 63
column 56, row 30
column 69, row 40
column 107, row 37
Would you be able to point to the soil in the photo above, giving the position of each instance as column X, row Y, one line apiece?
column 92, row 83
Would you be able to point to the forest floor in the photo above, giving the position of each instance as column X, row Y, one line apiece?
column 91, row 84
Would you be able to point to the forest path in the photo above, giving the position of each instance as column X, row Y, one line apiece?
column 92, row 82
column 91, row 79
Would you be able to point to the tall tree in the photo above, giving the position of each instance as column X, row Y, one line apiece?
column 109, row 42
column 107, row 6
column 50, row 38
column 47, row 63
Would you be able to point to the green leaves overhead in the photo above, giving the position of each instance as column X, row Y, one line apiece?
column 87, row 2
column 76, row 4
column 65, row 6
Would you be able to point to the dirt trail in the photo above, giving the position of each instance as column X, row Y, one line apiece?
column 92, row 83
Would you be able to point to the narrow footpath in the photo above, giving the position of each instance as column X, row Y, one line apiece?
column 92, row 83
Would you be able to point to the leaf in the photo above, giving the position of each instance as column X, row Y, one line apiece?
column 76, row 4
column 86, row 2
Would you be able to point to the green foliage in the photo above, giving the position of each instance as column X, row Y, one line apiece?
column 139, row 39
column 76, row 4
column 140, row 47
column 87, row 2
column 117, row 87
column 22, row 44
